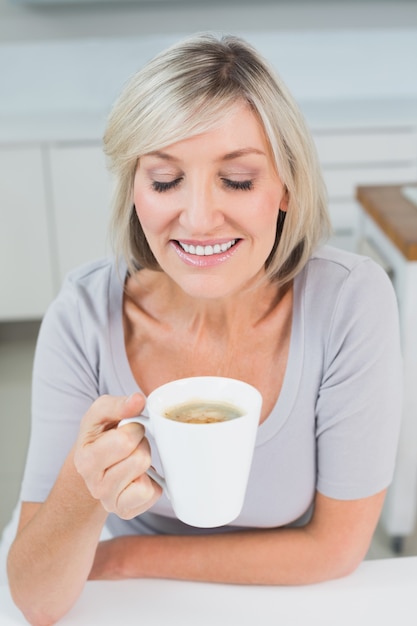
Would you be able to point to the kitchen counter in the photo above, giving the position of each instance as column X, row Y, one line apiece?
column 378, row 592
column 52, row 126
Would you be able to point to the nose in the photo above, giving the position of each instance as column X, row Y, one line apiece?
column 201, row 212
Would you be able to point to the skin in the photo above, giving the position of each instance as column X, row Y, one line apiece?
column 187, row 320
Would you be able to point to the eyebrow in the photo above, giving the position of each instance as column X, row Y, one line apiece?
column 226, row 157
column 243, row 152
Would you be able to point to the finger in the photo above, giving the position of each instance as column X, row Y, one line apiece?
column 93, row 458
column 116, row 478
column 138, row 497
column 107, row 411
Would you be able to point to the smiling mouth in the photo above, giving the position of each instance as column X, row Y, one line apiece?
column 199, row 250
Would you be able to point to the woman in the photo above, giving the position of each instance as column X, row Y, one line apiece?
column 219, row 217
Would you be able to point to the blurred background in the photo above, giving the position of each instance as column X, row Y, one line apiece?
column 351, row 66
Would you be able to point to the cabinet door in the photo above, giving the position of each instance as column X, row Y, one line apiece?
column 25, row 268
column 389, row 146
column 81, row 196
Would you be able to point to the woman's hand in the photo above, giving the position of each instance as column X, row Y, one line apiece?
column 113, row 461
column 111, row 557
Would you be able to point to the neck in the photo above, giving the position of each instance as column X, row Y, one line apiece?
column 245, row 309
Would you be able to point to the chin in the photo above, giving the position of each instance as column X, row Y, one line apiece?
column 209, row 288
column 212, row 288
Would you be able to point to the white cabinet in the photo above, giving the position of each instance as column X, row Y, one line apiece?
column 81, row 195
column 54, row 211
column 25, row 262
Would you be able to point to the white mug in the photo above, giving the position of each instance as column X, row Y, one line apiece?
column 206, row 465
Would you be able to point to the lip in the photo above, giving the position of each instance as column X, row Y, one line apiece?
column 205, row 261
column 206, row 242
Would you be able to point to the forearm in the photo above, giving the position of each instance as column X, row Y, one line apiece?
column 331, row 545
column 253, row 557
column 276, row 557
column 52, row 555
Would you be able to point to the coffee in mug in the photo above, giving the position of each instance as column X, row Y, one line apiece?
column 203, row 412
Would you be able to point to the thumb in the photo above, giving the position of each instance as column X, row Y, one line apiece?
column 107, row 411
column 132, row 405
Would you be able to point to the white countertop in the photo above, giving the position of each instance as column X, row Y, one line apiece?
column 369, row 113
column 54, row 126
column 379, row 592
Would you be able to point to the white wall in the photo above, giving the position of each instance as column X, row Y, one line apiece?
column 20, row 23
column 87, row 74
column 78, row 56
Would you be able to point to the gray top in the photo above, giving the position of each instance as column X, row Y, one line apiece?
column 333, row 429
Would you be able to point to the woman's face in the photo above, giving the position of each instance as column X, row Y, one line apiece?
column 208, row 206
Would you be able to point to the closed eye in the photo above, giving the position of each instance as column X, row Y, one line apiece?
column 243, row 185
column 160, row 186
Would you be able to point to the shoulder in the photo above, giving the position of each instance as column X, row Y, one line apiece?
column 342, row 270
column 93, row 282
column 86, row 292
column 93, row 273
column 78, row 321
column 341, row 292
column 339, row 260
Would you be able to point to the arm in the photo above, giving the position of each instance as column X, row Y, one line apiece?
column 330, row 546
column 54, row 549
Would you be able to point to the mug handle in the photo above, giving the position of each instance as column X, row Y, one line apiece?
column 152, row 473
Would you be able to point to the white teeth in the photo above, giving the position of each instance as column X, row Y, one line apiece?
column 207, row 250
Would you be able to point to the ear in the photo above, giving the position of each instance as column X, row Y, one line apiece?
column 283, row 205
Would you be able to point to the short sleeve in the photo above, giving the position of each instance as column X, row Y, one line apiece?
column 64, row 384
column 360, row 399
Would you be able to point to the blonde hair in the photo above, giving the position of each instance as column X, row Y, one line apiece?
column 187, row 90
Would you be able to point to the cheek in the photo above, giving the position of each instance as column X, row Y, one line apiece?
column 149, row 211
column 267, row 211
